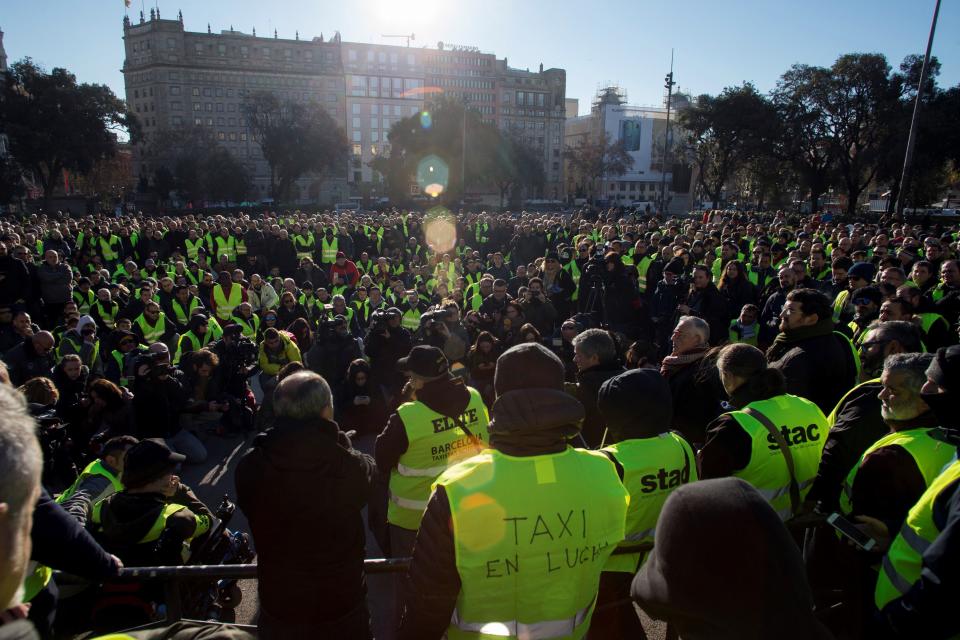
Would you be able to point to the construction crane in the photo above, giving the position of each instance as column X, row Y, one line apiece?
column 408, row 38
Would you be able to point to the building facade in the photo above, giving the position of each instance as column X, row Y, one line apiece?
column 642, row 131
column 178, row 80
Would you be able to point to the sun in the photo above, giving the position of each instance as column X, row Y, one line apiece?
column 404, row 14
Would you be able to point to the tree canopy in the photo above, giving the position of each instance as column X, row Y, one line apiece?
column 296, row 138
column 53, row 123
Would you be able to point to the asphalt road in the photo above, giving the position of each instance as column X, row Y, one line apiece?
column 214, row 478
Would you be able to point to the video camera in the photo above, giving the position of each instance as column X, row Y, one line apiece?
column 432, row 317
column 378, row 320
column 157, row 362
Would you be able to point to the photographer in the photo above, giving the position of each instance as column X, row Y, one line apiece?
column 558, row 285
column 204, row 402
column 157, row 403
column 238, row 359
column 538, row 309
column 387, row 342
column 333, row 350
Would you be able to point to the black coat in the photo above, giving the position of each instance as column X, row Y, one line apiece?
column 820, row 368
column 302, row 488
column 711, row 306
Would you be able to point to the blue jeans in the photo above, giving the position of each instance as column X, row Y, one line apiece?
column 186, row 443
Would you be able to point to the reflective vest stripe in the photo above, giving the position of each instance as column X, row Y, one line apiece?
column 525, row 630
column 899, row 583
column 419, row 505
column 161, row 522
column 328, row 250
column 412, row 472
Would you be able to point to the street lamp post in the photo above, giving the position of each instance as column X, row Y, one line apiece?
column 668, row 85
column 912, row 138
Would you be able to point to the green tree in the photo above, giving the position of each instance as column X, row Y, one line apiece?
column 224, row 177
column 724, row 133
column 11, row 181
column 53, row 123
column 515, row 167
column 437, row 137
column 295, row 138
column 597, row 158
column 860, row 102
column 804, row 136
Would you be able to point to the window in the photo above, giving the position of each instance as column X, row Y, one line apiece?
column 386, row 124
column 331, row 97
column 374, row 87
column 174, row 76
column 287, row 54
column 374, row 123
column 196, row 92
column 369, row 56
column 231, row 107
column 356, row 150
column 374, row 109
column 358, row 86
column 221, row 50
column 221, row 122
column 352, row 55
column 244, row 51
column 385, row 85
column 382, row 57
column 413, row 110
column 233, row 136
column 196, row 106
column 355, row 109
column 243, row 137
column 357, row 136
column 219, row 92
column 393, row 58
column 232, row 122
column 356, row 175
column 197, row 122
column 206, row 92
column 396, row 109
column 397, row 87
column 374, row 136
column 209, row 122
column 176, row 121
column 198, row 48
column 175, row 91
column 176, row 105
column 171, row 43
column 136, row 93
column 266, row 52
column 308, row 56
column 356, row 122
column 505, row 97
column 219, row 107
column 411, row 59
column 208, row 106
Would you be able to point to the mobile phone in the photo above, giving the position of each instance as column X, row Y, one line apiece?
column 849, row 530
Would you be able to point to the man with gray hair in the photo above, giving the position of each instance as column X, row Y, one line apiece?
column 895, row 471
column 302, row 487
column 695, row 403
column 20, row 465
column 595, row 356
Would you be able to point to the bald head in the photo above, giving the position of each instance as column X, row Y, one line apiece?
column 303, row 396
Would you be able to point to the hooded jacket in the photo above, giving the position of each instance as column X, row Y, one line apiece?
column 324, row 579
column 755, row 589
column 524, row 422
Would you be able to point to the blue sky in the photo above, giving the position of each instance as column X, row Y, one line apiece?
column 628, row 42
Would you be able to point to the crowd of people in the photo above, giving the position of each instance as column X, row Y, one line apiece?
column 567, row 408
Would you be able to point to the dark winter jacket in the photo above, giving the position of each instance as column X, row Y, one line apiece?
column 819, row 368
column 14, row 280
column 588, row 385
column 711, row 306
column 24, row 363
column 302, row 488
column 61, row 543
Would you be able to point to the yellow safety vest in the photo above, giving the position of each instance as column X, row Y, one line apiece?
column 902, row 565
column 193, row 247
column 154, row 333
column 225, row 307
column 95, row 468
column 328, row 251
column 929, row 452
column 804, row 427
column 531, row 537
column 435, row 442
column 652, row 469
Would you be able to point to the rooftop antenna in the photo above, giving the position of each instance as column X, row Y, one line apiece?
column 408, row 38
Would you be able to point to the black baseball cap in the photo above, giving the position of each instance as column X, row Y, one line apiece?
column 148, row 460
column 425, row 361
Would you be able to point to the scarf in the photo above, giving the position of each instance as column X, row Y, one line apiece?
column 671, row 364
column 789, row 339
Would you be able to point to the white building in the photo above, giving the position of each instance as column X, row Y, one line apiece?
column 642, row 131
